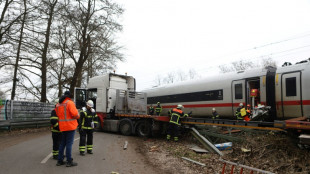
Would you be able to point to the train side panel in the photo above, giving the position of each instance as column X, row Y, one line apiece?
column 292, row 91
column 224, row 93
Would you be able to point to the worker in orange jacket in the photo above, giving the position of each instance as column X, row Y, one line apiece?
column 68, row 116
column 248, row 113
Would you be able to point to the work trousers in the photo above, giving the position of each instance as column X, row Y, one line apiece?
column 83, row 134
column 56, row 136
column 173, row 131
column 67, row 139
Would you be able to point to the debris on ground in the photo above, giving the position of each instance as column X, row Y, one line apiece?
column 275, row 152
column 125, row 145
column 153, row 149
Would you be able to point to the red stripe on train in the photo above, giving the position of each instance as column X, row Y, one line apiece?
column 295, row 102
column 204, row 105
column 304, row 102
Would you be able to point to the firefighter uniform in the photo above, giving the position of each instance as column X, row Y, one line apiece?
column 56, row 134
column 158, row 108
column 239, row 112
column 215, row 115
column 175, row 122
column 151, row 110
column 88, row 121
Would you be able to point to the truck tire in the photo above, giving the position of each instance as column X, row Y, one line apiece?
column 144, row 128
column 125, row 127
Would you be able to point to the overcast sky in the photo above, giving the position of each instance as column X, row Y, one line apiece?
column 162, row 36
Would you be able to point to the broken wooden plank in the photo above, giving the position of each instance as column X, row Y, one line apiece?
column 207, row 144
column 193, row 161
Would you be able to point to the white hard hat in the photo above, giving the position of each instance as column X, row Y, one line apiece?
column 241, row 104
column 180, row 106
column 90, row 103
column 213, row 109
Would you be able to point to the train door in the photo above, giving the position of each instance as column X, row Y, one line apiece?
column 238, row 94
column 253, row 87
column 291, row 95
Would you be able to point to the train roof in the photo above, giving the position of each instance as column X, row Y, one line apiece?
column 221, row 79
column 212, row 80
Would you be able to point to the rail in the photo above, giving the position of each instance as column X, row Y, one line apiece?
column 11, row 124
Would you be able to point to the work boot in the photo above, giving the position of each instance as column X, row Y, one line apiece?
column 71, row 163
column 90, row 152
column 59, row 163
column 82, row 153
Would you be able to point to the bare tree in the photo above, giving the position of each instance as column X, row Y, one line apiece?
column 7, row 19
column 181, row 76
column 192, row 74
column 94, row 23
column 18, row 50
column 2, row 96
column 158, row 81
column 269, row 62
column 170, row 78
column 225, row 68
column 242, row 65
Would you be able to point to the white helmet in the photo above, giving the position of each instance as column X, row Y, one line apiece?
column 90, row 103
column 241, row 104
column 213, row 109
column 180, row 106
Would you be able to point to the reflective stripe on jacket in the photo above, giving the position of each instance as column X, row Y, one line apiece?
column 238, row 114
column 176, row 114
column 86, row 119
column 67, row 114
column 54, row 122
column 158, row 109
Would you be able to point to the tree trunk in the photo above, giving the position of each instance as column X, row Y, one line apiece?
column 44, row 54
column 18, row 52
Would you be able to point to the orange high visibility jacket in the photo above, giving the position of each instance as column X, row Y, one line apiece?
column 67, row 114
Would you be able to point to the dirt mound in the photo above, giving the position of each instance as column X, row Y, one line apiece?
column 269, row 151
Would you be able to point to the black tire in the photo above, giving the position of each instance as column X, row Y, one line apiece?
column 144, row 128
column 125, row 127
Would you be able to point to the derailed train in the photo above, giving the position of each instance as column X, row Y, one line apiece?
column 285, row 89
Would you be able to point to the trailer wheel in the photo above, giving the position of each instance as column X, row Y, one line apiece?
column 144, row 128
column 125, row 127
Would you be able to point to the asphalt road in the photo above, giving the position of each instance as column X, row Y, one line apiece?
column 33, row 156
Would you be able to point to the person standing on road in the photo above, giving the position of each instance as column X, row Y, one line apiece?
column 88, row 121
column 158, row 109
column 56, row 133
column 175, row 122
column 68, row 116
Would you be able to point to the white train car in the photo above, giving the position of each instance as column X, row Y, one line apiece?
column 285, row 89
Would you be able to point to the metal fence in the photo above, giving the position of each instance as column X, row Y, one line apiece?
column 23, row 112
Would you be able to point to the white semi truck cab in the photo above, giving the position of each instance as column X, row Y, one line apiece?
column 117, row 104
column 112, row 93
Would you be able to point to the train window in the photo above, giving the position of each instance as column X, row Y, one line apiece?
column 238, row 91
column 188, row 97
column 290, row 84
